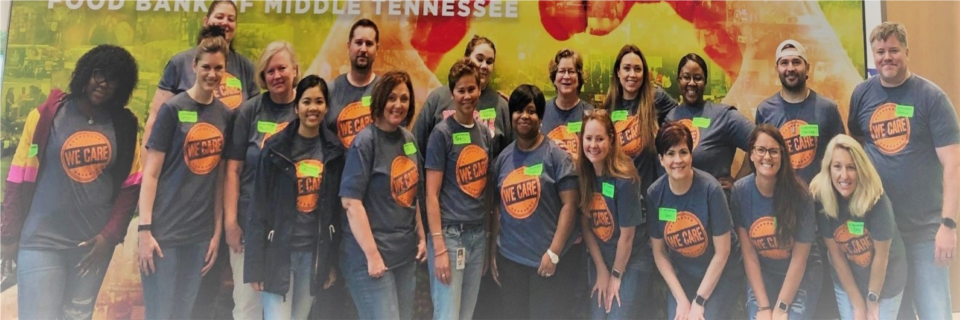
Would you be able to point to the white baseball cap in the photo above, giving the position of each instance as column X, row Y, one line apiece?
column 797, row 50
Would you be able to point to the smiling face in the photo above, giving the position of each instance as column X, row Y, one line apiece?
column 363, row 48
column 567, row 79
column 465, row 95
column 843, row 172
column 631, row 74
column 891, row 58
column 312, row 107
column 209, row 69
column 526, row 122
column 483, row 57
column 279, row 74
column 99, row 90
column 793, row 72
column 225, row 16
column 596, row 142
column 677, row 161
column 767, row 157
column 398, row 104
column 692, row 82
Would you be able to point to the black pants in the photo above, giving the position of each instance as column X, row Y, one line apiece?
column 527, row 295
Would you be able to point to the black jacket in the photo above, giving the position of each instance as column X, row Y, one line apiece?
column 273, row 210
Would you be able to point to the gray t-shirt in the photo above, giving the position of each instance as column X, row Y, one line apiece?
column 616, row 204
column 73, row 201
column 463, row 156
column 807, row 127
column 238, row 82
column 901, row 129
column 492, row 113
column 307, row 155
column 256, row 120
column 718, row 130
column 753, row 212
column 348, row 114
column 192, row 137
column 383, row 171
column 565, row 125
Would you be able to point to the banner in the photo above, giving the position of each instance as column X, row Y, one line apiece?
column 424, row 37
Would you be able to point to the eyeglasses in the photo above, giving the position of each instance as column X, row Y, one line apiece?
column 566, row 72
column 761, row 151
column 99, row 77
column 686, row 77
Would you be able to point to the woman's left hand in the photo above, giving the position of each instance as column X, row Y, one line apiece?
column 696, row 312
column 613, row 293
column 546, row 266
column 421, row 251
column 97, row 258
column 211, row 256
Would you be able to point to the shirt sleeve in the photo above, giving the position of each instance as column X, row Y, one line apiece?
column 170, row 79
column 881, row 222
column 807, row 228
column 824, row 225
column 653, row 227
column 249, row 78
column 735, row 196
column 629, row 212
column 664, row 104
column 436, row 149
column 740, row 129
column 358, row 167
column 566, row 173
column 853, row 123
column 720, row 222
column 237, row 149
column 943, row 122
column 163, row 129
column 425, row 122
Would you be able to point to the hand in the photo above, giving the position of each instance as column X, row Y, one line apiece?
column 945, row 245
column 331, row 279
column 234, row 237
column 8, row 255
column 375, row 267
column 696, row 312
column 421, row 251
column 493, row 268
column 873, row 311
column 726, row 182
column 600, row 286
column 764, row 315
column 546, row 266
column 211, row 255
column 683, row 308
column 257, row 286
column 441, row 266
column 613, row 293
column 98, row 257
column 148, row 245
column 780, row 315
column 562, row 145
column 859, row 313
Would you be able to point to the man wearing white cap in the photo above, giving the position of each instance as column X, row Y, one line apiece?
column 806, row 119
column 910, row 132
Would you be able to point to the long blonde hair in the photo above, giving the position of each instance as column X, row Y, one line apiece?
column 273, row 49
column 616, row 164
column 869, row 187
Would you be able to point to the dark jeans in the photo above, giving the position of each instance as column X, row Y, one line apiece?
column 50, row 287
column 633, row 287
column 527, row 295
column 721, row 302
column 387, row 297
column 804, row 301
column 170, row 292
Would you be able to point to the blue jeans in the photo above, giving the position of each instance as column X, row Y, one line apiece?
column 169, row 292
column 50, row 287
column 927, row 293
column 458, row 299
column 633, row 287
column 888, row 306
column 804, row 303
column 387, row 297
column 721, row 301
column 297, row 304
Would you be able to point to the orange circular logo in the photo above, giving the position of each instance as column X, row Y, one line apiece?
column 472, row 170
column 763, row 236
column 403, row 180
column 889, row 132
column 628, row 133
column 230, row 91
column 802, row 149
column 84, row 155
column 687, row 235
column 600, row 217
column 309, row 176
column 280, row 127
column 857, row 248
column 520, row 193
column 694, row 131
column 202, row 148
column 569, row 139
column 352, row 119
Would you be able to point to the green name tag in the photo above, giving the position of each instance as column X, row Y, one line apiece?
column 618, row 115
column 310, row 170
column 461, row 138
column 234, row 83
column 608, row 190
column 534, row 170
column 810, row 130
column 575, row 127
column 488, row 113
column 409, row 148
column 266, row 126
column 904, row 111
column 855, row 228
column 34, row 149
column 668, row 214
column 701, row 122
column 774, row 223
column 366, row 101
column 187, row 116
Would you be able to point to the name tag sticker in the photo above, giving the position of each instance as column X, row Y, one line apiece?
column 187, row 116
column 310, row 170
column 668, row 214
column 34, row 149
column 575, row 127
column 608, row 190
column 904, row 111
column 234, row 83
column 701, row 122
column 409, row 148
column 534, row 170
column 461, row 138
column 618, row 115
column 810, row 130
column 488, row 113
column 266, row 126
column 366, row 101
column 855, row 228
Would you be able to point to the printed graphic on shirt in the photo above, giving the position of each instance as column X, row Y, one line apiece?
column 489, row 123
column 600, row 217
column 203, row 147
column 802, row 150
column 890, row 133
column 569, row 139
column 857, row 248
column 309, row 176
column 694, row 131
column 280, row 127
column 686, row 235
column 763, row 236
column 84, row 155
column 472, row 170
column 403, row 180
column 352, row 119
column 520, row 193
column 628, row 133
column 230, row 91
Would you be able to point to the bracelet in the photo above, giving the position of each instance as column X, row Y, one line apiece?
column 436, row 234
column 763, row 308
column 440, row 253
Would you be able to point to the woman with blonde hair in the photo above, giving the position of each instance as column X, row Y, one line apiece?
column 857, row 226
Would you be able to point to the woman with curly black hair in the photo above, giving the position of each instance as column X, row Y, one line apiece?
column 62, row 219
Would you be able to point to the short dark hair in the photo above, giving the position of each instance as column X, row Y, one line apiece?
column 382, row 90
column 695, row 58
column 462, row 68
column 672, row 134
column 366, row 23
column 211, row 31
column 310, row 82
column 524, row 95
column 116, row 64
column 478, row 40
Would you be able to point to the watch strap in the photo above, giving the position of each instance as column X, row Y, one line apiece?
column 553, row 256
column 782, row 305
column 949, row 223
column 700, row 300
column 615, row 273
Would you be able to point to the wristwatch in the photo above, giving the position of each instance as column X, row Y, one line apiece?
column 873, row 297
column 700, row 300
column 553, row 256
column 949, row 223
column 782, row 306
column 144, row 227
column 615, row 273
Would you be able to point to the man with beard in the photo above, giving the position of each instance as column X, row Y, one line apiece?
column 806, row 119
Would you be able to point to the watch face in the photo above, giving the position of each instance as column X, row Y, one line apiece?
column 873, row 297
column 782, row 306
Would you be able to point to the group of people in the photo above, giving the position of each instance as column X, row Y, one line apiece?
column 313, row 183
